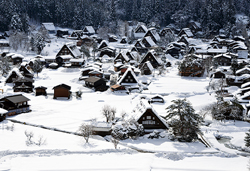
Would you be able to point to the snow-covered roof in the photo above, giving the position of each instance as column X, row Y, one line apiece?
column 3, row 111
column 188, row 32
column 141, row 107
column 90, row 29
column 150, row 41
column 141, row 26
column 155, row 34
column 149, row 65
column 17, row 71
column 242, row 70
column 140, row 43
column 102, row 42
column 74, row 50
column 49, row 58
column 66, row 56
column 49, row 26
column 123, row 53
column 17, row 56
column 222, row 55
column 245, row 85
column 129, row 70
column 76, row 60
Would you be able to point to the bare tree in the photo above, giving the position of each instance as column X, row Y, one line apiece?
column 115, row 141
column 41, row 141
column 29, row 136
column 109, row 113
column 86, row 131
column 106, row 112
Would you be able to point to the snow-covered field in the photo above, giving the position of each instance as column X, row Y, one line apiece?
column 63, row 151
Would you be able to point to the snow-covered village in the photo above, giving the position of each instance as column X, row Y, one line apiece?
column 143, row 94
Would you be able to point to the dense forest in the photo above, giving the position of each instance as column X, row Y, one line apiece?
column 212, row 14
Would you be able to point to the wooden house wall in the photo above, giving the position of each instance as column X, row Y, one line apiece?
column 151, row 58
column 40, row 91
column 61, row 92
column 64, row 51
column 17, row 60
column 151, row 123
column 223, row 61
column 129, row 78
column 145, row 70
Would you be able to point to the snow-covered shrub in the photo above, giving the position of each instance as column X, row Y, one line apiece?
column 154, row 134
column 127, row 129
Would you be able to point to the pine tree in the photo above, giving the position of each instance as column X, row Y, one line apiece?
column 16, row 23
column 247, row 139
column 186, row 126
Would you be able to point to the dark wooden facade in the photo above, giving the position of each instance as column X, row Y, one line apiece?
column 151, row 58
column 218, row 74
column 15, row 104
column 146, row 69
column 194, row 71
column 97, row 83
column 41, row 91
column 17, row 60
column 62, row 90
column 156, row 99
column 223, row 61
column 150, row 120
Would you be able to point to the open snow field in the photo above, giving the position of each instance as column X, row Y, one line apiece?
column 68, row 152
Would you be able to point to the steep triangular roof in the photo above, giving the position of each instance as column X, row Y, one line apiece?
column 13, row 71
column 142, row 107
column 141, row 27
column 89, row 29
column 49, row 26
column 148, row 65
column 151, row 57
column 74, row 51
column 103, row 44
column 148, row 41
column 128, row 78
column 123, row 55
column 153, row 34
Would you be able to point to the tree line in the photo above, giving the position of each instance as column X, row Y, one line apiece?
column 212, row 14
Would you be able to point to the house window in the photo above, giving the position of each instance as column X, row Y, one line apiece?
column 148, row 122
column 148, row 117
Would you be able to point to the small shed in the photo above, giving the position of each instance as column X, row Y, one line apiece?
column 41, row 91
column 62, row 90
column 97, row 83
column 156, row 99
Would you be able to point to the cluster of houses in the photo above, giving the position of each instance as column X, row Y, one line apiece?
column 143, row 55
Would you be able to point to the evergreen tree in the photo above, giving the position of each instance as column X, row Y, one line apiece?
column 16, row 23
column 184, row 122
column 234, row 65
column 37, row 66
column 247, row 139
